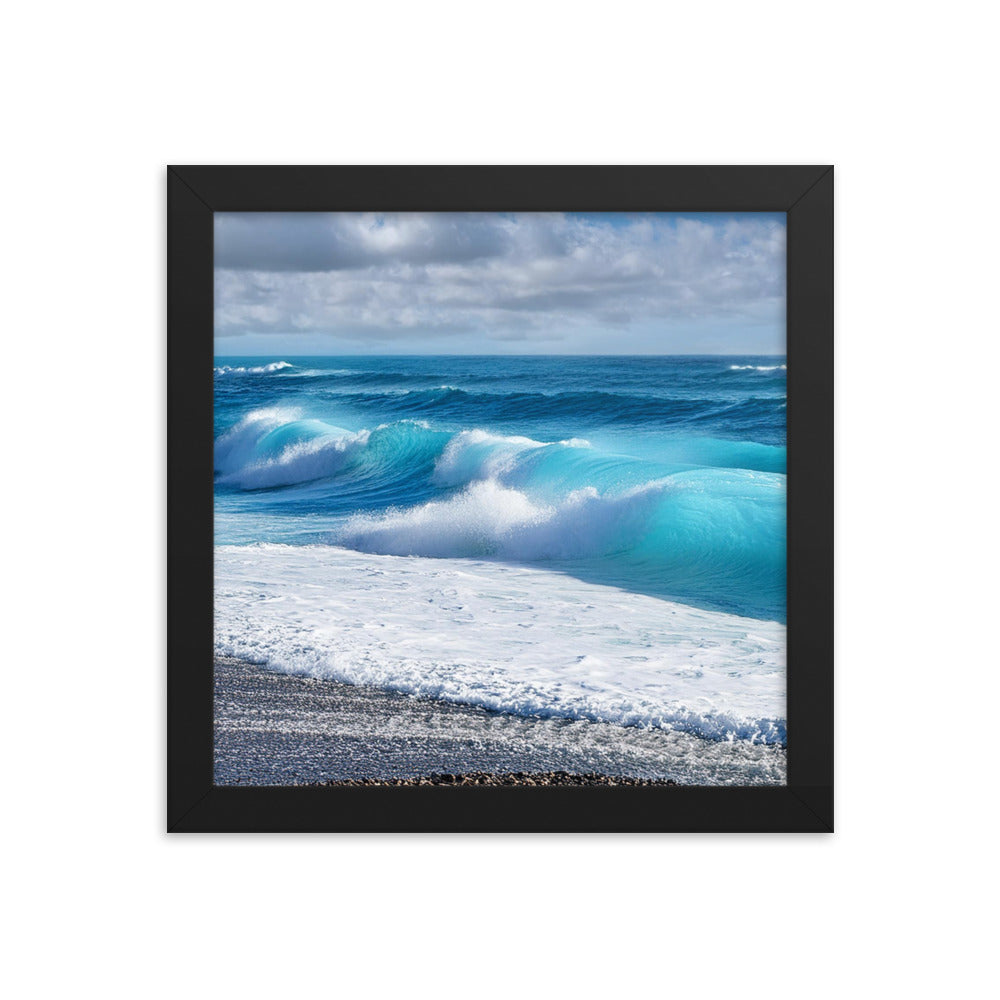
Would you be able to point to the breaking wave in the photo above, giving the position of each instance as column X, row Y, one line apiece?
column 407, row 488
column 274, row 366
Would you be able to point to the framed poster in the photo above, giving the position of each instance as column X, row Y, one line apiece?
column 500, row 498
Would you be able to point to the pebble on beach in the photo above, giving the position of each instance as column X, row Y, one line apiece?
column 514, row 778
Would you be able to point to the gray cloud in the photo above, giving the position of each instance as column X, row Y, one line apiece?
column 320, row 241
column 495, row 277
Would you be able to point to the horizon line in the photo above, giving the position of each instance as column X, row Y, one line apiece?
column 578, row 354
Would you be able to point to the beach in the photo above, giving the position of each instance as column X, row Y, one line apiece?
column 518, row 568
column 273, row 728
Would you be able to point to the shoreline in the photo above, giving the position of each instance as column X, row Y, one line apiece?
column 526, row 640
column 274, row 728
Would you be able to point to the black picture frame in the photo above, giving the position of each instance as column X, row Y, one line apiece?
column 195, row 193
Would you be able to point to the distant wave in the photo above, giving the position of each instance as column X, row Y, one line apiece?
column 361, row 378
column 610, row 408
column 758, row 368
column 274, row 366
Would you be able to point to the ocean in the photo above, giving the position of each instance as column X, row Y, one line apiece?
column 591, row 537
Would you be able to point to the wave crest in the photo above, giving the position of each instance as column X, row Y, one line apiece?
column 490, row 520
column 274, row 366
column 274, row 447
column 477, row 454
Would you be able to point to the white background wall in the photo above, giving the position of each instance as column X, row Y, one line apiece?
column 99, row 97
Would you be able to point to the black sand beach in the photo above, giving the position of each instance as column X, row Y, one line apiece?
column 277, row 729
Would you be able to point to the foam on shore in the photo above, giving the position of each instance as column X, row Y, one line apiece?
column 515, row 639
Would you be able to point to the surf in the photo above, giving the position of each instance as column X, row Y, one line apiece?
column 407, row 488
column 521, row 640
column 661, row 476
column 268, row 369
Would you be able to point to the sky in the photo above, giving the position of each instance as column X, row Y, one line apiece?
column 498, row 283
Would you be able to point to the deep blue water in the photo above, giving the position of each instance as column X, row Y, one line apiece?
column 663, row 475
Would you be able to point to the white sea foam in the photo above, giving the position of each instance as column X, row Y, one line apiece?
column 488, row 519
column 274, row 366
column 251, row 454
column 758, row 368
column 505, row 637
column 478, row 454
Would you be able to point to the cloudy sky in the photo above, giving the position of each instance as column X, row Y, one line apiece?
column 489, row 283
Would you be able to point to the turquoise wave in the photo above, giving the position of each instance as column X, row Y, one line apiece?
column 695, row 519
